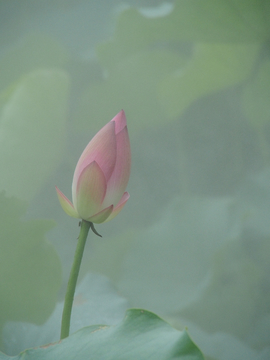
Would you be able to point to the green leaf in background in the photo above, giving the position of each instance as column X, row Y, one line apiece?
column 34, row 51
column 151, row 70
column 167, row 264
column 225, row 21
column 106, row 256
column 131, row 85
column 142, row 335
column 223, row 346
column 32, row 127
column 213, row 67
column 236, row 297
column 96, row 302
column 208, row 21
column 230, row 300
column 253, row 200
column 30, row 269
column 256, row 95
column 213, row 21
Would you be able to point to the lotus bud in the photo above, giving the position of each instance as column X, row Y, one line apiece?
column 101, row 175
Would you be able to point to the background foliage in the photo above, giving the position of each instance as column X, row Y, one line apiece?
column 192, row 243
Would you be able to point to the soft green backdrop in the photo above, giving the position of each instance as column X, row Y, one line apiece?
column 193, row 242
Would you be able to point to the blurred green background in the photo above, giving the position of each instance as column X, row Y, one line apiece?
column 193, row 242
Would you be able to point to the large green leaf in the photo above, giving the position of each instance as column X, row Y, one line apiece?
column 96, row 301
column 30, row 269
column 142, row 335
column 32, row 126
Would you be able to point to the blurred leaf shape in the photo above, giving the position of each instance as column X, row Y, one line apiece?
column 30, row 269
column 213, row 67
column 195, row 21
column 223, row 346
column 256, row 95
column 253, row 199
column 141, row 335
column 238, row 295
column 131, row 85
column 34, row 51
column 96, row 302
column 224, row 21
column 32, row 131
column 156, row 67
column 167, row 265
column 106, row 257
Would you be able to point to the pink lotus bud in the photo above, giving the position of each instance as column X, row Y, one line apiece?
column 101, row 175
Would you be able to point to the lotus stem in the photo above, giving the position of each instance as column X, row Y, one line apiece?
column 73, row 277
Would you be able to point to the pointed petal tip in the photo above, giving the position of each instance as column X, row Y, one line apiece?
column 66, row 204
column 102, row 149
column 120, row 121
column 124, row 198
column 119, row 206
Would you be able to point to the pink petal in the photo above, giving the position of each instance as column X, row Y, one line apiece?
column 120, row 121
column 119, row 206
column 66, row 204
column 90, row 191
column 101, row 216
column 118, row 181
column 102, row 149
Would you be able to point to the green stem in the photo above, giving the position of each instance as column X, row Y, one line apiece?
column 85, row 226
